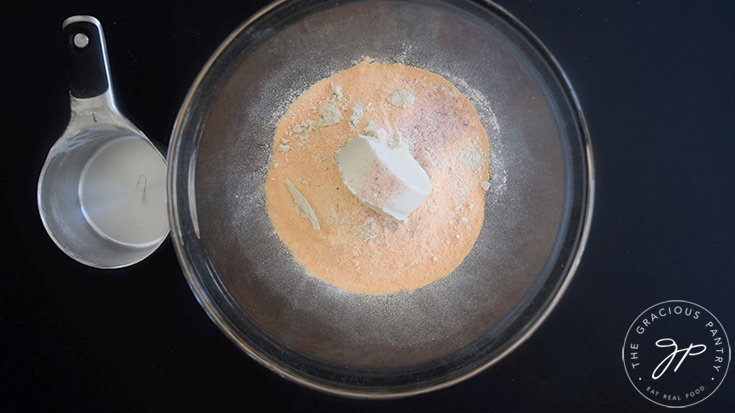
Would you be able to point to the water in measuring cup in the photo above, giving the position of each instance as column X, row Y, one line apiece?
column 122, row 192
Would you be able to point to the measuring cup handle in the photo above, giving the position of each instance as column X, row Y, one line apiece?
column 84, row 41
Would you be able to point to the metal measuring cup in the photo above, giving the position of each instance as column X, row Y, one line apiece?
column 101, row 192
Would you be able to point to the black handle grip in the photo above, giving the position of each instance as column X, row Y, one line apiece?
column 85, row 50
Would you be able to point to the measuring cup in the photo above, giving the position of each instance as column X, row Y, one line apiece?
column 101, row 192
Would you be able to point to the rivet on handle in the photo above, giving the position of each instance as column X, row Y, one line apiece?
column 81, row 40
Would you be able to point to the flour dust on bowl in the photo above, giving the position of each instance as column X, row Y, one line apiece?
column 537, row 204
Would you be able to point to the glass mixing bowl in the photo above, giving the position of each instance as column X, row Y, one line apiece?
column 537, row 212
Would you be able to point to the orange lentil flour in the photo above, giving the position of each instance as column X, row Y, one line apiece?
column 341, row 240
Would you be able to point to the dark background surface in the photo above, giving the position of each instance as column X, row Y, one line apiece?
column 656, row 81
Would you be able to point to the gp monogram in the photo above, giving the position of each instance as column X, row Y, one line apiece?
column 676, row 353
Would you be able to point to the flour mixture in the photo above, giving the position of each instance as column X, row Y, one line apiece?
column 335, row 235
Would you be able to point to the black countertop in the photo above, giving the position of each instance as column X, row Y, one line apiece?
column 656, row 81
